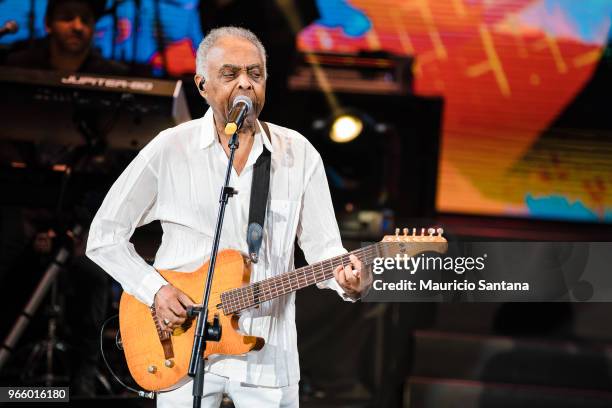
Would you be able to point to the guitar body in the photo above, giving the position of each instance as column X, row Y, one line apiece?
column 160, row 365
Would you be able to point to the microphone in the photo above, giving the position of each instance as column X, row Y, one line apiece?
column 240, row 108
column 10, row 27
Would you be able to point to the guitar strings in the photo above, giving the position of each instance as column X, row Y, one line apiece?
column 301, row 277
column 242, row 298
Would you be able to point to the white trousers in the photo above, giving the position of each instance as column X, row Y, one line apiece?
column 243, row 395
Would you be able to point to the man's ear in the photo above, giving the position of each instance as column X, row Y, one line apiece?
column 199, row 80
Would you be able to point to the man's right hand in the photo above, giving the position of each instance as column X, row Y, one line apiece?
column 170, row 306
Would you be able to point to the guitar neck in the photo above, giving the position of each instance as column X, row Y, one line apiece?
column 238, row 299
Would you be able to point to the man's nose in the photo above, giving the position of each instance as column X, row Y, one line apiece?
column 244, row 81
column 77, row 23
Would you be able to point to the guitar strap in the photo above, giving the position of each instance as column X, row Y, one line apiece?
column 259, row 197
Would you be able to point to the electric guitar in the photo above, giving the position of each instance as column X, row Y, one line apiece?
column 159, row 361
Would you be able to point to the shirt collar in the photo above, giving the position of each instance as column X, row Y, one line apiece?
column 208, row 134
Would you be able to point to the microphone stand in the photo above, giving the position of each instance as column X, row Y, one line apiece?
column 205, row 330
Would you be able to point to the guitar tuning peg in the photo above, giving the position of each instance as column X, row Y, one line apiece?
column 422, row 231
column 414, row 232
column 431, row 231
column 397, row 231
column 440, row 231
column 405, row 231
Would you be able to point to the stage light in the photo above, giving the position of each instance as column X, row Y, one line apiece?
column 345, row 128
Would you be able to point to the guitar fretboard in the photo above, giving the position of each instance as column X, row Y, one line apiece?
column 238, row 299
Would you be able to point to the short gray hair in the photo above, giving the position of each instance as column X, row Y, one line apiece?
column 230, row 31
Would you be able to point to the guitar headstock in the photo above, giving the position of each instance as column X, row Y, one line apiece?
column 431, row 235
column 414, row 242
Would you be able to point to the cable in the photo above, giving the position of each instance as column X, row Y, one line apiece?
column 141, row 393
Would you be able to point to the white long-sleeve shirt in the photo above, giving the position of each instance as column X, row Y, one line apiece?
column 177, row 179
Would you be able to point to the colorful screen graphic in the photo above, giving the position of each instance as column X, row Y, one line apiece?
column 508, row 70
column 134, row 37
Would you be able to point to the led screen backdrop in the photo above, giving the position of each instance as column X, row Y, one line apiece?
column 507, row 70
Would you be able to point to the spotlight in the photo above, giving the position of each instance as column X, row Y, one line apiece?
column 345, row 128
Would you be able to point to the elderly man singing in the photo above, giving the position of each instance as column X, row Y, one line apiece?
column 176, row 179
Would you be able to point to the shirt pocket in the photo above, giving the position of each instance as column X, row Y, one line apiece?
column 282, row 219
